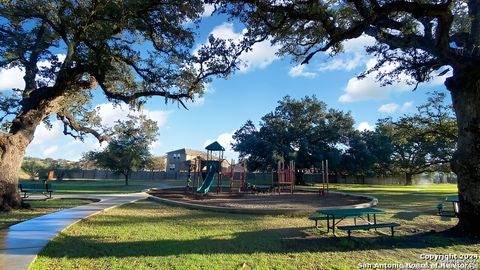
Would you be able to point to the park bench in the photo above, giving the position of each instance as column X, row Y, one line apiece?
column 43, row 188
column 368, row 227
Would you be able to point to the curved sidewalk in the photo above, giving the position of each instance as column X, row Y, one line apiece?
column 20, row 244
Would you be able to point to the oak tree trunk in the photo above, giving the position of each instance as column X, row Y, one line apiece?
column 465, row 90
column 408, row 179
column 126, row 175
column 12, row 149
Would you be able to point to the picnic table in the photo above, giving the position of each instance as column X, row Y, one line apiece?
column 338, row 215
column 454, row 200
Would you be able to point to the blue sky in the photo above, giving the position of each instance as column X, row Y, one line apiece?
column 250, row 93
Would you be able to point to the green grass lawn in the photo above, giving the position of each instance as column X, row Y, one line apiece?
column 149, row 235
column 107, row 186
column 412, row 198
column 37, row 208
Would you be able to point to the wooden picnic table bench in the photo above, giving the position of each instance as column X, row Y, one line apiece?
column 350, row 228
column 44, row 188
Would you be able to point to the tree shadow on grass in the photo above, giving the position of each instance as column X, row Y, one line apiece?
column 406, row 215
column 284, row 240
column 247, row 240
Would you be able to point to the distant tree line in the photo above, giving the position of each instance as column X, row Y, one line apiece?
column 37, row 168
column 307, row 132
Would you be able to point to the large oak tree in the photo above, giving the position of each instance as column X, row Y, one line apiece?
column 127, row 50
column 302, row 130
column 424, row 141
column 418, row 38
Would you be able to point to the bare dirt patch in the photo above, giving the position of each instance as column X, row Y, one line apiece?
column 299, row 200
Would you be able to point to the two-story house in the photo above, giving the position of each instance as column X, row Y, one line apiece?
column 177, row 159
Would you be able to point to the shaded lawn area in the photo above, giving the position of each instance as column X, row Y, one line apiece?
column 422, row 198
column 149, row 235
column 38, row 208
column 107, row 186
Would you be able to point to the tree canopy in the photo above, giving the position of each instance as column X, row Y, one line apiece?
column 368, row 153
column 129, row 148
column 127, row 51
column 423, row 142
column 301, row 130
column 34, row 167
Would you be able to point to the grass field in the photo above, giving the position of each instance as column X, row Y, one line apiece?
column 149, row 235
column 37, row 208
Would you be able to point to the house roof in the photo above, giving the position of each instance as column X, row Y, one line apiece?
column 215, row 146
column 190, row 152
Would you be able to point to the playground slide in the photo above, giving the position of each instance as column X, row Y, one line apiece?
column 207, row 183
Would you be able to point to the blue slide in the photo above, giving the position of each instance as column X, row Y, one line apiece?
column 207, row 183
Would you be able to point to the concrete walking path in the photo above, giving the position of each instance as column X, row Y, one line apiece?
column 20, row 244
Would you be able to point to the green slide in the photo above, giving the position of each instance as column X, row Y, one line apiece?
column 207, row 183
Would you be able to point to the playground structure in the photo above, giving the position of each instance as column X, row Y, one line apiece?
column 236, row 175
column 203, row 173
column 285, row 177
column 213, row 168
column 194, row 178
column 324, row 190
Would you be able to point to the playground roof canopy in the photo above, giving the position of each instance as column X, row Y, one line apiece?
column 215, row 146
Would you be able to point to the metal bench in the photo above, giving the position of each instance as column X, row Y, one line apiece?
column 368, row 227
column 36, row 187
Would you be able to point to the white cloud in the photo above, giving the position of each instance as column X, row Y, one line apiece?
column 110, row 114
column 365, row 126
column 155, row 146
column 343, row 64
column 225, row 139
column 366, row 89
column 407, row 106
column 199, row 101
column 388, row 108
column 50, row 150
column 299, row 71
column 261, row 54
column 225, row 31
column 11, row 78
column 44, row 134
column 369, row 89
column 353, row 56
column 54, row 144
column 208, row 10
column 209, row 89
column 440, row 80
column 74, row 149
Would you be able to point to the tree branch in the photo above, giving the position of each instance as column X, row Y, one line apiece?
column 69, row 121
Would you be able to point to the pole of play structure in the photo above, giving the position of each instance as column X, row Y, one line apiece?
column 293, row 180
column 220, row 160
column 323, row 176
column 326, row 173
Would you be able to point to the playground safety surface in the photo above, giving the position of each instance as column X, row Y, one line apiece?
column 299, row 200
